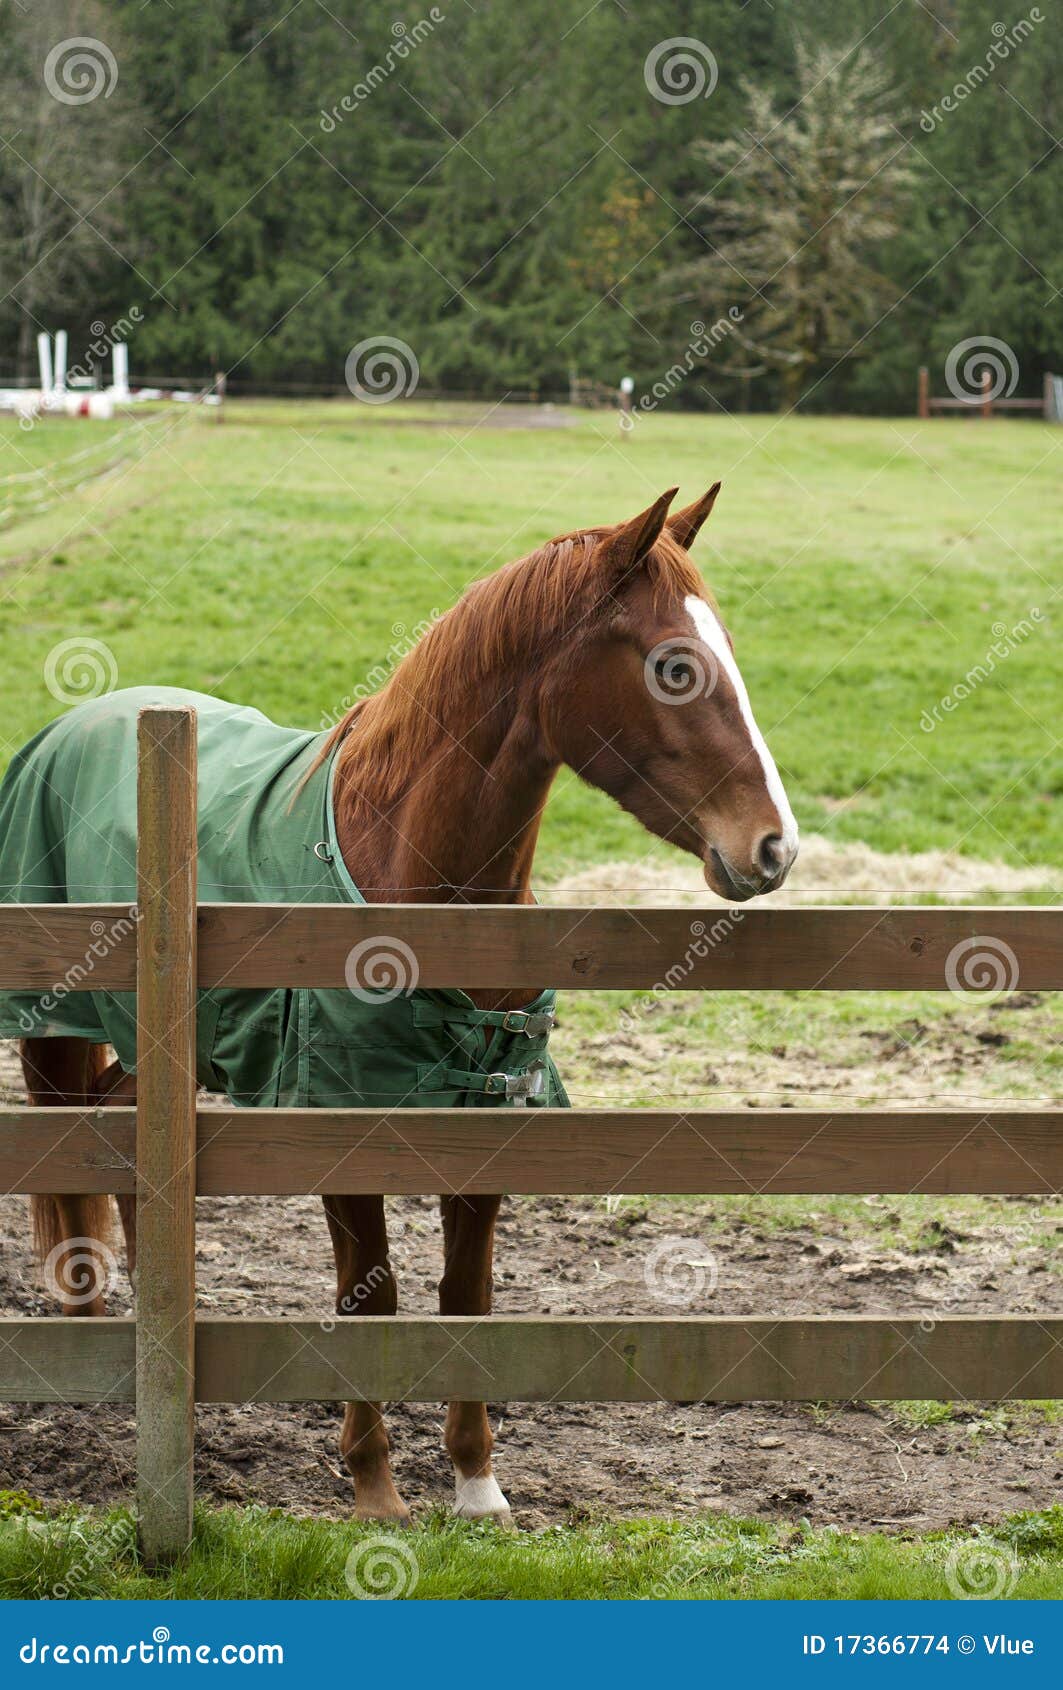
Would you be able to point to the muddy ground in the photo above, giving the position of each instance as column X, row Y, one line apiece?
column 856, row 1466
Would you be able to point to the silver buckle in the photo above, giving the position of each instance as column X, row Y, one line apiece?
column 533, row 1024
column 517, row 1088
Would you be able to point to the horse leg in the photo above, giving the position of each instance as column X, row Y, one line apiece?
column 465, row 1288
column 71, row 1232
column 365, row 1284
column 115, row 1087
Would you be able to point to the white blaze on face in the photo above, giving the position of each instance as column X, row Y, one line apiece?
column 710, row 630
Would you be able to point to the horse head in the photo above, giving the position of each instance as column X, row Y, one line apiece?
column 644, row 699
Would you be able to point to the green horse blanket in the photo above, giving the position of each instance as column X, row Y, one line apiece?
column 68, row 835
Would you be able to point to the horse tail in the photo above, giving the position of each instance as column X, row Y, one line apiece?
column 50, row 1229
column 66, row 1072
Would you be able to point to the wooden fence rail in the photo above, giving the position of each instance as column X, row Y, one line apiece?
column 166, row 1151
column 556, row 1152
column 673, row 949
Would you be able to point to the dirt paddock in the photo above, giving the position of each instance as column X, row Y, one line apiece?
column 856, row 1466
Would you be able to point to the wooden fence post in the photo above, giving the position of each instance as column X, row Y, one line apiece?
column 166, row 1127
column 923, row 406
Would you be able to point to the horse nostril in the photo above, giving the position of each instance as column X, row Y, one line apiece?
column 772, row 855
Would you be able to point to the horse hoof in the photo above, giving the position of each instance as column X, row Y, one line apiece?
column 382, row 1510
column 384, row 1515
column 481, row 1499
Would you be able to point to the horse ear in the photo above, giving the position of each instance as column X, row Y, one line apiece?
column 685, row 524
column 626, row 545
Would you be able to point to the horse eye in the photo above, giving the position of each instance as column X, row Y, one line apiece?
column 675, row 671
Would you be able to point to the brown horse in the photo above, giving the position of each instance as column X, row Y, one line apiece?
column 602, row 651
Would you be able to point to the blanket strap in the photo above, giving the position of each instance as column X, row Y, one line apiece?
column 534, row 1023
column 513, row 1088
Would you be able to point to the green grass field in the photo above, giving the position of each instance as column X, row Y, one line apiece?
column 865, row 567
column 861, row 564
column 266, row 1554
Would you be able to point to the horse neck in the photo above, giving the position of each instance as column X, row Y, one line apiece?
column 464, row 825
column 464, row 822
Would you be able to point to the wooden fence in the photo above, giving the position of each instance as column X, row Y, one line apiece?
column 165, row 1151
column 983, row 402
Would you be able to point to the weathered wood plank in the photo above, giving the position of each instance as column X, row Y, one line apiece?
column 70, row 1150
column 758, row 948
column 556, row 1152
column 166, row 1127
column 82, row 947
column 686, row 1358
column 55, row 1358
column 663, row 949
column 580, row 1151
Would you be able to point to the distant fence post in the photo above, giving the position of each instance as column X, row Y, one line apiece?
column 924, row 391
column 166, row 1127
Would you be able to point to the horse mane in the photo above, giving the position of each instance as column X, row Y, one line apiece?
column 526, row 606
